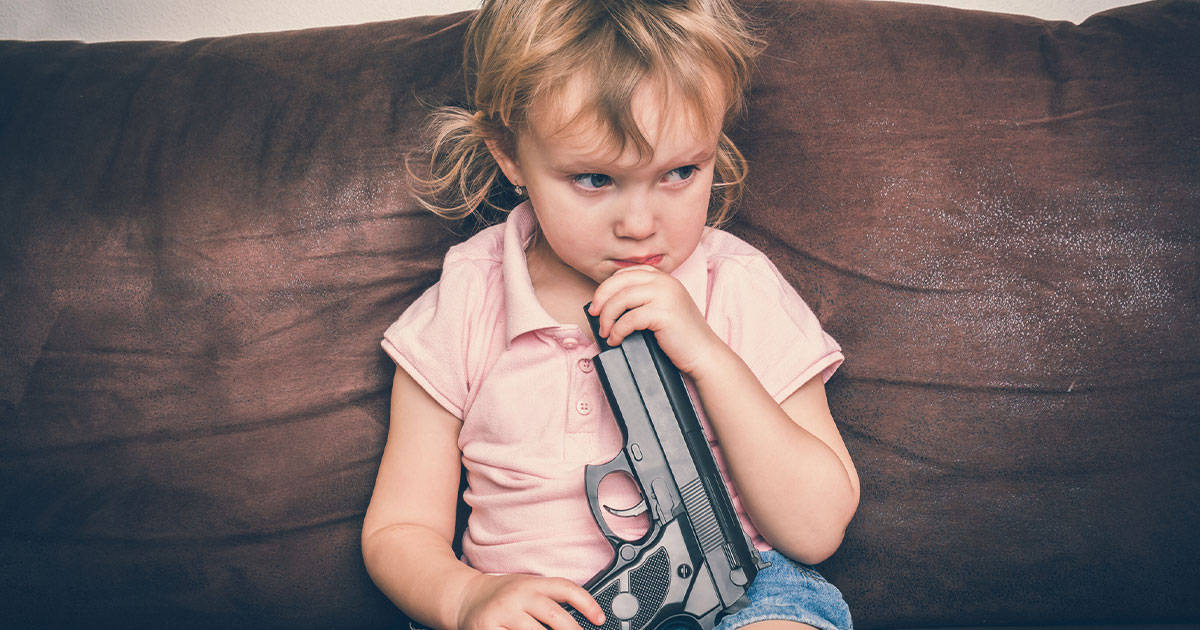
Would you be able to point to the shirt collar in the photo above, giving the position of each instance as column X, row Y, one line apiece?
column 523, row 311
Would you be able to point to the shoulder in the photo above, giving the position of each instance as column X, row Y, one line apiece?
column 482, row 253
column 471, row 271
column 720, row 244
column 446, row 333
column 735, row 264
column 465, row 291
column 762, row 317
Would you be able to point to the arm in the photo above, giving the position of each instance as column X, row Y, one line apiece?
column 787, row 461
column 409, row 526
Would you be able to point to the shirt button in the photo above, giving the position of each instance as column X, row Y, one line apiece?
column 585, row 365
column 583, row 407
column 569, row 343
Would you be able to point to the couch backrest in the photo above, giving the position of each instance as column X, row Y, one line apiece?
column 202, row 242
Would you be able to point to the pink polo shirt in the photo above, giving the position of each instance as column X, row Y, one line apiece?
column 532, row 408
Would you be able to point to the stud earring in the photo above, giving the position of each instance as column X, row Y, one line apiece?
column 520, row 190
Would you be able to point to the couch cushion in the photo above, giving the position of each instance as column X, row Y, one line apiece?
column 998, row 218
column 202, row 243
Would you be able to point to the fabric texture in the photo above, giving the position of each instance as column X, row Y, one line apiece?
column 533, row 410
column 790, row 591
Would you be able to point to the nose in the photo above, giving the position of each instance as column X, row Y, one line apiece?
column 637, row 219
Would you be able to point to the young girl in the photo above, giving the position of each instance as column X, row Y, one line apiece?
column 605, row 120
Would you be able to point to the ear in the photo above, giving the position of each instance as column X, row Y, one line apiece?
column 509, row 165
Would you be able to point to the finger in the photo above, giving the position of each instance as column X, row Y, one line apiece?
column 631, row 321
column 551, row 613
column 525, row 622
column 619, row 308
column 617, row 282
column 638, row 307
column 568, row 592
column 629, row 296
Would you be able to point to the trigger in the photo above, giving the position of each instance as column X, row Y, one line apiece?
column 629, row 512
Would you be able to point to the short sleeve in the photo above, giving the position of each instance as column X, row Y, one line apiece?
column 429, row 340
column 769, row 325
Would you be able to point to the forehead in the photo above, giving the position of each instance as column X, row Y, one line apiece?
column 568, row 126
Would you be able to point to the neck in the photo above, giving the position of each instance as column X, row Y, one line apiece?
column 561, row 290
column 549, row 272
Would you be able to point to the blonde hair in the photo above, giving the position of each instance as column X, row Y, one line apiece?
column 518, row 52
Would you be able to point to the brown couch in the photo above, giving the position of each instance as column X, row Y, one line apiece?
column 998, row 217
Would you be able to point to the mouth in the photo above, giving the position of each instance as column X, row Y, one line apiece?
column 645, row 260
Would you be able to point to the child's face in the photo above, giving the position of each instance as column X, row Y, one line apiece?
column 599, row 211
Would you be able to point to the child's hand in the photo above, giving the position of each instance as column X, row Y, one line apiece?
column 524, row 602
column 644, row 298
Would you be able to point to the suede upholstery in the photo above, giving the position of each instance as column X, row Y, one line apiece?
column 998, row 218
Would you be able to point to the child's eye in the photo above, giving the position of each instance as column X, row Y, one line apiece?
column 591, row 181
column 683, row 173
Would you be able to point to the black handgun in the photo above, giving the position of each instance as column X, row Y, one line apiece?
column 694, row 563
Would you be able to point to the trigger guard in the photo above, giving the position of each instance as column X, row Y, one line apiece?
column 594, row 474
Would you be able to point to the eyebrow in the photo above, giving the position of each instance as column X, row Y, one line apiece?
column 589, row 165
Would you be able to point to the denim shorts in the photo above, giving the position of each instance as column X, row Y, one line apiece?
column 790, row 591
column 787, row 591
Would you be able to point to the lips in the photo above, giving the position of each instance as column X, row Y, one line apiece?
column 645, row 260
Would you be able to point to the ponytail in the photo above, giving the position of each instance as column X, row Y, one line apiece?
column 463, row 176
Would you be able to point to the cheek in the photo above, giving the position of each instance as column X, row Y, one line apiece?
column 690, row 227
column 690, row 234
column 701, row 189
column 570, row 235
column 698, row 200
